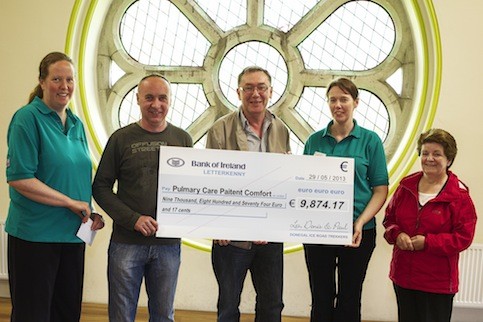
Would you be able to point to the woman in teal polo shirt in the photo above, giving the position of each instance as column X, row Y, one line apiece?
column 49, row 172
column 343, row 137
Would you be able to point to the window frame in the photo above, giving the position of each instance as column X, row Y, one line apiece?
column 96, row 102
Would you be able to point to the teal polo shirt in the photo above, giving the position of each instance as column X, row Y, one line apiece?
column 40, row 147
column 370, row 168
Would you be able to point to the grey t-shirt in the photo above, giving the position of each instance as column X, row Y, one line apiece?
column 131, row 157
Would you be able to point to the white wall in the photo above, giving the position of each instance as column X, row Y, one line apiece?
column 30, row 29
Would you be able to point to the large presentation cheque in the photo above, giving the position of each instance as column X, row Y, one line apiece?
column 237, row 195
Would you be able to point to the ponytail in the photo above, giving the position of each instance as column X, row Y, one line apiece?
column 36, row 92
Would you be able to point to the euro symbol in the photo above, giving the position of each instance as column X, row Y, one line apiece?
column 291, row 203
column 343, row 166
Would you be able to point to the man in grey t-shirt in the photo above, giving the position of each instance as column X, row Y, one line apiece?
column 131, row 157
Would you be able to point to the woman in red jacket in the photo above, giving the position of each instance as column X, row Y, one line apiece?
column 430, row 220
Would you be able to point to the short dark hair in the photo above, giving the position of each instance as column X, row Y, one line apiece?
column 442, row 137
column 346, row 85
column 253, row 69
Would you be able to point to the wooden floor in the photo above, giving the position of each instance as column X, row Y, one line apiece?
column 92, row 312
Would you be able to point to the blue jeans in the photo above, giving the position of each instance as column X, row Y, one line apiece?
column 265, row 263
column 127, row 265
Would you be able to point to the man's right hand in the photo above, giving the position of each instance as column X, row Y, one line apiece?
column 146, row 225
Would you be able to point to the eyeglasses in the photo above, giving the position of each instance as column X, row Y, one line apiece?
column 262, row 88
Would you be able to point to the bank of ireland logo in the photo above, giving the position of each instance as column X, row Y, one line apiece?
column 175, row 162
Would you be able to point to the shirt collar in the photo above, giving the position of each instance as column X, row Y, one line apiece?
column 44, row 109
column 269, row 117
column 356, row 130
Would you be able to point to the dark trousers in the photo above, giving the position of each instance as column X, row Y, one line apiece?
column 45, row 280
column 338, row 299
column 419, row 306
column 265, row 263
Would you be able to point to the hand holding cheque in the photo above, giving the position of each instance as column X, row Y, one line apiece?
column 237, row 195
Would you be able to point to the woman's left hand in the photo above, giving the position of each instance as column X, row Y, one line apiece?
column 357, row 235
column 418, row 242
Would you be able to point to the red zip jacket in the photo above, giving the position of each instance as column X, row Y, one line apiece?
column 448, row 222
